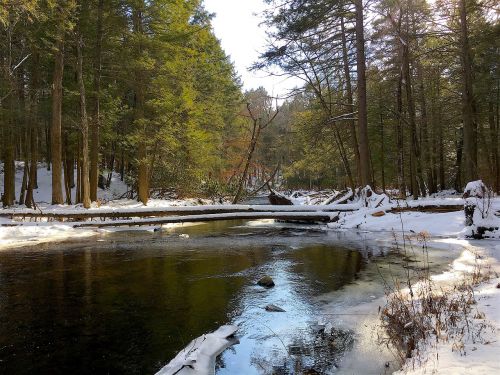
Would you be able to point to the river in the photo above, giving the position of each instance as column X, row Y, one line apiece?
column 126, row 302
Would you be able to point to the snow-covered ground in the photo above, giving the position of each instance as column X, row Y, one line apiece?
column 32, row 232
column 444, row 228
column 477, row 356
column 43, row 195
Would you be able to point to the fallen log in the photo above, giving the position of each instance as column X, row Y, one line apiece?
column 429, row 208
column 312, row 217
column 198, row 358
column 167, row 211
column 204, row 210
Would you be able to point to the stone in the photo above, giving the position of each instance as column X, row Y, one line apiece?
column 266, row 282
column 274, row 308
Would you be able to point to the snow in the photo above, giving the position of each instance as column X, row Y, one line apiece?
column 43, row 195
column 370, row 214
column 198, row 357
column 33, row 233
column 480, row 357
column 475, row 189
column 449, row 224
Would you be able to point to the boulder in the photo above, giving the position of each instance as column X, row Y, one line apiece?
column 266, row 282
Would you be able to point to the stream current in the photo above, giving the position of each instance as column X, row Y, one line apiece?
column 127, row 302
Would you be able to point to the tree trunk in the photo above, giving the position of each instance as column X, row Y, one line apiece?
column 400, row 138
column 84, row 127
column 458, row 162
column 382, row 149
column 142, row 156
column 68, row 170
column 494, row 145
column 350, row 101
column 33, row 138
column 361, row 92
column 470, row 131
column 411, row 118
column 55, row 134
column 425, row 150
column 24, row 183
column 253, row 142
column 9, row 167
column 96, row 123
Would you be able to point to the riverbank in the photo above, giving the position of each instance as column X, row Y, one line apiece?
column 471, row 354
column 20, row 226
column 376, row 225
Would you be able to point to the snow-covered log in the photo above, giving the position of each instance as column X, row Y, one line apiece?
column 198, row 358
column 80, row 214
column 310, row 217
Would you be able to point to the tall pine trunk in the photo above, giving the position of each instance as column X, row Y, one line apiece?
column 361, row 92
column 84, row 127
column 55, row 131
column 33, row 131
column 350, row 101
column 469, row 125
column 96, row 123
column 400, row 138
column 142, row 156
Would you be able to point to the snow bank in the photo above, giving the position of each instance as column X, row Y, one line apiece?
column 448, row 224
column 33, row 233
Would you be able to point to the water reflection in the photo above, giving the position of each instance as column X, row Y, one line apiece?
column 128, row 306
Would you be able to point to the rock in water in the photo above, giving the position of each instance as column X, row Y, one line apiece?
column 266, row 282
column 274, row 308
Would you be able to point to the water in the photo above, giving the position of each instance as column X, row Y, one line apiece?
column 125, row 304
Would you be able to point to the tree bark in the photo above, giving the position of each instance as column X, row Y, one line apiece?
column 411, row 117
column 96, row 123
column 253, row 143
column 55, row 133
column 400, row 138
column 84, row 127
column 469, row 125
column 350, row 101
column 142, row 156
column 361, row 92
column 33, row 136
column 9, row 167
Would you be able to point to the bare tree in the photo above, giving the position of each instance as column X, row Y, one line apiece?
column 258, row 124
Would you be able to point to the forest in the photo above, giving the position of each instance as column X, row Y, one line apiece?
column 331, row 207
column 403, row 96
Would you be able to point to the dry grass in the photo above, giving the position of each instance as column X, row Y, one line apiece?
column 419, row 314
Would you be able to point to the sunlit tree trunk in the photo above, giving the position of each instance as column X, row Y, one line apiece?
column 84, row 127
